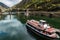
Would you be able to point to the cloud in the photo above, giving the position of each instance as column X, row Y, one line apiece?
column 10, row 3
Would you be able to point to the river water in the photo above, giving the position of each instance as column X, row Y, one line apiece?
column 13, row 29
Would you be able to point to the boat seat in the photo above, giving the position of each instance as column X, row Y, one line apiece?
column 50, row 30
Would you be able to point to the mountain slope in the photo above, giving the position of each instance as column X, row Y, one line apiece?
column 40, row 4
column 3, row 5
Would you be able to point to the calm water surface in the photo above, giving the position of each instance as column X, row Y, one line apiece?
column 12, row 29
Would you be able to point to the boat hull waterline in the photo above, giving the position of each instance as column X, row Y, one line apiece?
column 38, row 32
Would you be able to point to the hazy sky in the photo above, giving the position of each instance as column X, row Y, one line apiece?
column 10, row 3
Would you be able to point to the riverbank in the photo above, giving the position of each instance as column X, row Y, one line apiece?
column 52, row 21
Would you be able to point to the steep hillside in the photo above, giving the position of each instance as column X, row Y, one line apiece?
column 40, row 4
column 3, row 5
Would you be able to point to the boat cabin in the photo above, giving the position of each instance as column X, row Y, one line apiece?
column 42, row 22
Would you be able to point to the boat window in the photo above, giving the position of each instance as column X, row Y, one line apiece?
column 42, row 22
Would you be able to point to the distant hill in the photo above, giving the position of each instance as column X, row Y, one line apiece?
column 47, row 5
column 3, row 5
column 23, row 3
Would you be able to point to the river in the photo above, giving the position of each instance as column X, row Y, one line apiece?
column 13, row 29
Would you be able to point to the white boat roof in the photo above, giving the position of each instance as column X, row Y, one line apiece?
column 42, row 21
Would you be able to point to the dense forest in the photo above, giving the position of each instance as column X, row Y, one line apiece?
column 40, row 4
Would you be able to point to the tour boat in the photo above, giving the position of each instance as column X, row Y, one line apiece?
column 42, row 29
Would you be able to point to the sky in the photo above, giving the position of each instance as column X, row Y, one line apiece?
column 10, row 3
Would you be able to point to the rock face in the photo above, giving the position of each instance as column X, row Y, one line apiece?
column 3, row 7
column 22, row 3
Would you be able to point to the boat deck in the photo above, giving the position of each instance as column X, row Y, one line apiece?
column 57, row 30
column 36, row 25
